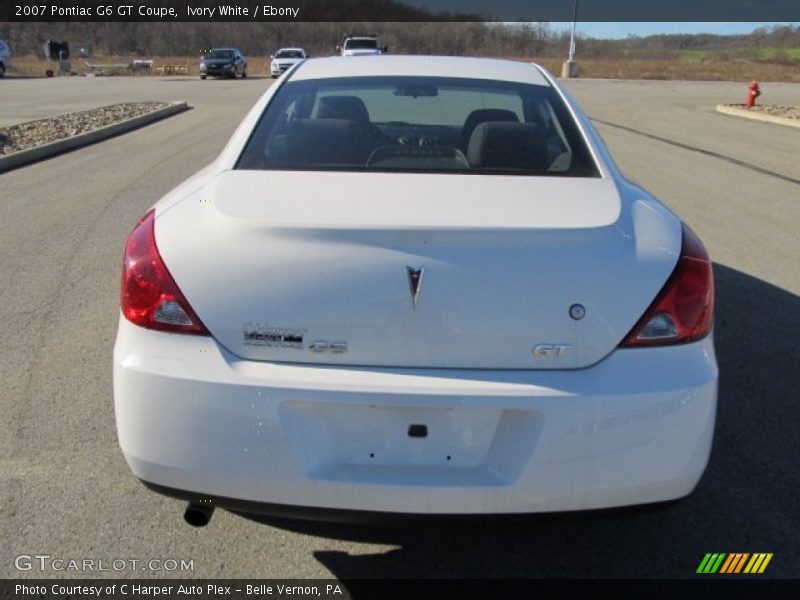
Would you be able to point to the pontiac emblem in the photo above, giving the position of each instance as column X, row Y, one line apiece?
column 415, row 283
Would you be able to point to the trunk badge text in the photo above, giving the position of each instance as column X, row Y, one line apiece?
column 330, row 347
column 263, row 334
column 415, row 283
column 548, row 350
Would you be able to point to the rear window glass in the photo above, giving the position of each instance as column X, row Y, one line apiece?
column 289, row 54
column 418, row 124
column 360, row 44
column 220, row 54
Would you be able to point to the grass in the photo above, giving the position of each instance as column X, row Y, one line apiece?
column 677, row 69
column 768, row 54
column 30, row 66
column 696, row 66
column 710, row 70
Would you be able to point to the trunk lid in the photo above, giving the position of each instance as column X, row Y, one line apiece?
column 288, row 266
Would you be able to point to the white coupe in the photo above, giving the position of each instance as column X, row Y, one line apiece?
column 414, row 285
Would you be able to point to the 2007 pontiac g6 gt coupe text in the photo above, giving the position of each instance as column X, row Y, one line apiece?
column 415, row 285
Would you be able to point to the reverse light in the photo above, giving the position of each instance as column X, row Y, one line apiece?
column 150, row 296
column 684, row 309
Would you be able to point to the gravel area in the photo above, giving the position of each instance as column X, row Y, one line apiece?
column 775, row 110
column 24, row 136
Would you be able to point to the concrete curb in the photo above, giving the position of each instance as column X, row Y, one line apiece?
column 25, row 157
column 743, row 112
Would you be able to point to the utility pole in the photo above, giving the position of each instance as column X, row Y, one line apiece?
column 570, row 67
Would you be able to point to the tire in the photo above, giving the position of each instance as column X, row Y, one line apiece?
column 2, row 70
column 244, row 73
column 202, row 76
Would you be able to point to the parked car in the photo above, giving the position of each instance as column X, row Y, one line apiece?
column 223, row 62
column 415, row 285
column 361, row 45
column 5, row 58
column 285, row 58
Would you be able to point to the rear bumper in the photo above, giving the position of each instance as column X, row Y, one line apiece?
column 339, row 515
column 633, row 429
column 217, row 71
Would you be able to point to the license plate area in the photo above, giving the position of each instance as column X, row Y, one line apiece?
column 410, row 445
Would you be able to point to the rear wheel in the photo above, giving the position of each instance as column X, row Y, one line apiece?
column 202, row 76
column 2, row 70
column 244, row 73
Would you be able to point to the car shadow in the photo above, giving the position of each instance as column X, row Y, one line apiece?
column 747, row 501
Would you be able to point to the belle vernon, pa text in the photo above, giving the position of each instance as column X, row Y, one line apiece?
column 134, row 589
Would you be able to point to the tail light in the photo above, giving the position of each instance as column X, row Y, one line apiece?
column 684, row 309
column 150, row 296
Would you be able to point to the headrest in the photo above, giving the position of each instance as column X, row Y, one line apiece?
column 476, row 117
column 310, row 142
column 342, row 107
column 502, row 145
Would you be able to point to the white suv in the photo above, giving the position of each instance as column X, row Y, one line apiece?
column 5, row 58
column 366, row 45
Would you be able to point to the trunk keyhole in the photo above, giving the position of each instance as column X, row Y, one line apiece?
column 417, row 431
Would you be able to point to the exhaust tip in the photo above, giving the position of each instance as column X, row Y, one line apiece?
column 198, row 515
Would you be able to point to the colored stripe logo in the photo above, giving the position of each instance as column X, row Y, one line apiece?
column 734, row 563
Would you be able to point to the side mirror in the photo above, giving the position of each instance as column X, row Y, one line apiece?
column 272, row 56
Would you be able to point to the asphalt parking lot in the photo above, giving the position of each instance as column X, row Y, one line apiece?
column 66, row 491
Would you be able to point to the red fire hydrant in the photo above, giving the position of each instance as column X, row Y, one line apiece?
column 754, row 93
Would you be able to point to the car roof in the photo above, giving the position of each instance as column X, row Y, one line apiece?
column 286, row 49
column 420, row 66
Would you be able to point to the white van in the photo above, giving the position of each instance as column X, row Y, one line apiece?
column 5, row 58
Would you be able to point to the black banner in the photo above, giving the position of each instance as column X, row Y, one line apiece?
column 399, row 10
column 383, row 589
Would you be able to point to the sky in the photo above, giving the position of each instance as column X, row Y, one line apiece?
column 621, row 30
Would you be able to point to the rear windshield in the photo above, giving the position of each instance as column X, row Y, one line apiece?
column 356, row 44
column 418, row 124
column 220, row 54
column 289, row 54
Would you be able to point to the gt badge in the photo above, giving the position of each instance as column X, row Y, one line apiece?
column 551, row 350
